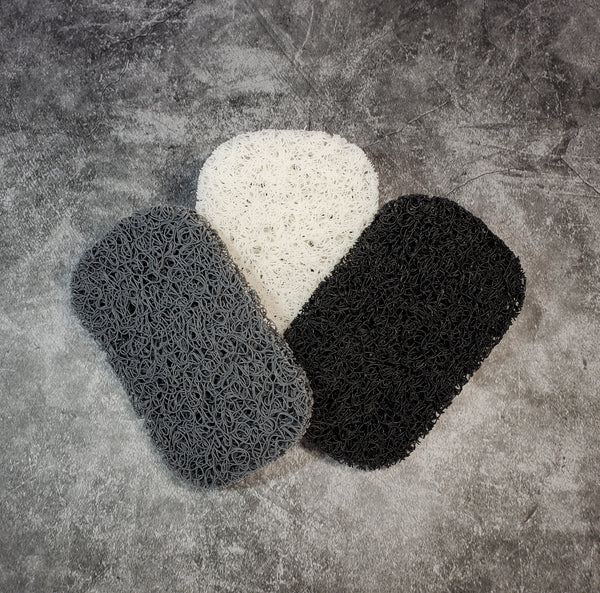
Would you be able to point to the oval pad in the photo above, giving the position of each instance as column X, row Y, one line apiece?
column 218, row 389
column 396, row 330
column 288, row 204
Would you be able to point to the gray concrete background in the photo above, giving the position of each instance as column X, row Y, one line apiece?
column 106, row 107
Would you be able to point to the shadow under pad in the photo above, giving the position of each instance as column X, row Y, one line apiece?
column 408, row 315
column 216, row 385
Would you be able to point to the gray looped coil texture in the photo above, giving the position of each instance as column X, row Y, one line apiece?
column 396, row 330
column 217, row 387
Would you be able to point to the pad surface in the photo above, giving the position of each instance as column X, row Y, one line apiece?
column 288, row 204
column 217, row 387
column 396, row 330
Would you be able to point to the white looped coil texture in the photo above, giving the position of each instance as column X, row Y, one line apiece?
column 288, row 204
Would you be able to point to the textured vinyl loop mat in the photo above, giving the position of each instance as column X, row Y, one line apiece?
column 402, row 322
column 288, row 204
column 217, row 387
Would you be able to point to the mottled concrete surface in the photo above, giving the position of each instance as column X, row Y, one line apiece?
column 109, row 106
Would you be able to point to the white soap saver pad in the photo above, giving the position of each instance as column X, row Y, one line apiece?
column 288, row 204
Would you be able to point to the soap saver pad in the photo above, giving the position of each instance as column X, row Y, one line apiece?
column 216, row 385
column 288, row 204
column 390, row 337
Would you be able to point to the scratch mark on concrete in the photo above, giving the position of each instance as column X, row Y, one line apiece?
column 531, row 513
column 151, row 25
column 310, row 22
column 571, row 168
column 477, row 177
column 492, row 126
column 281, row 46
column 408, row 123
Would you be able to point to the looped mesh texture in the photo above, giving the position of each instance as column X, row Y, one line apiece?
column 288, row 204
column 217, row 387
column 402, row 322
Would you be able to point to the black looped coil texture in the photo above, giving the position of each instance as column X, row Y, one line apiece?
column 218, row 388
column 396, row 330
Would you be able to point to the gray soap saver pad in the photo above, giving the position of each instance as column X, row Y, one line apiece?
column 217, row 387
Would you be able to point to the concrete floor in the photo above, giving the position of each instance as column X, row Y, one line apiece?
column 107, row 107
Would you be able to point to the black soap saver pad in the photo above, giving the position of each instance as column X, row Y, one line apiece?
column 390, row 337
column 217, row 387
